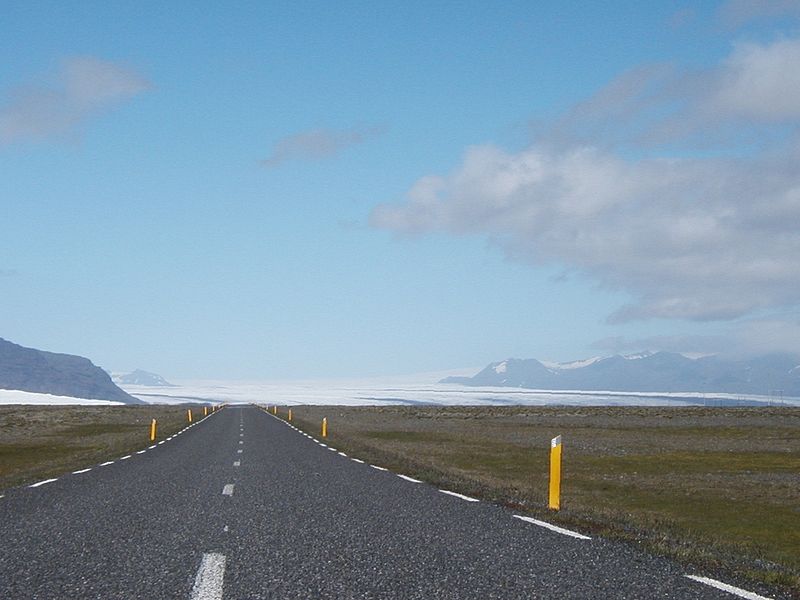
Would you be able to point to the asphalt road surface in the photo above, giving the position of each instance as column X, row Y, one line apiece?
column 243, row 506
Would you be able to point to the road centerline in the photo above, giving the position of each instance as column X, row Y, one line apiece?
column 209, row 580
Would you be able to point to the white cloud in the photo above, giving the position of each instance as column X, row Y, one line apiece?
column 82, row 88
column 760, row 82
column 690, row 237
column 736, row 13
column 752, row 93
column 751, row 337
column 317, row 144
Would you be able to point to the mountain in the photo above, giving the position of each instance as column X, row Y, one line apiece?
column 31, row 370
column 139, row 377
column 775, row 374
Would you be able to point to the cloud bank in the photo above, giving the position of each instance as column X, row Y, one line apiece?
column 703, row 234
column 82, row 88
column 317, row 144
column 751, row 337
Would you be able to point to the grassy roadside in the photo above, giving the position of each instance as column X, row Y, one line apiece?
column 38, row 442
column 716, row 488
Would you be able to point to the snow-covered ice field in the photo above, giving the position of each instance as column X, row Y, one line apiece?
column 372, row 392
column 17, row 397
column 402, row 391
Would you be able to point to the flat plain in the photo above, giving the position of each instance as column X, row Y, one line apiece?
column 37, row 442
column 717, row 488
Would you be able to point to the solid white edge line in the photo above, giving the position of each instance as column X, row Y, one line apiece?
column 407, row 478
column 462, row 496
column 379, row 468
column 34, row 485
column 227, row 490
column 81, row 471
column 727, row 588
column 560, row 530
column 210, row 576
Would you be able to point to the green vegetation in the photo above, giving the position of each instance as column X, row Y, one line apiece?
column 37, row 442
column 717, row 488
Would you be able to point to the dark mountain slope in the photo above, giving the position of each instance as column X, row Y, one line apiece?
column 31, row 370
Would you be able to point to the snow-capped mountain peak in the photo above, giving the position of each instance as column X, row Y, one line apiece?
column 638, row 355
column 574, row 364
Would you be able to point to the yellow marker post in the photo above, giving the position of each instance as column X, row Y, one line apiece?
column 205, row 411
column 274, row 410
column 325, row 427
column 153, row 429
column 290, row 414
column 555, row 474
column 189, row 414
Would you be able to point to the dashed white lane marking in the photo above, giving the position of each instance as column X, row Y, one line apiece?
column 239, row 451
column 379, row 468
column 151, row 447
column 125, row 457
column 358, row 460
column 227, row 490
column 332, row 449
column 323, row 445
column 161, row 442
column 727, row 588
column 407, row 478
column 241, row 442
column 141, row 451
column 237, row 463
column 208, row 583
column 342, row 454
column 105, row 464
column 43, row 482
column 82, row 471
column 462, row 496
column 225, row 529
column 560, row 530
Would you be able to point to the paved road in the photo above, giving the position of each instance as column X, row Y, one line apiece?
column 241, row 506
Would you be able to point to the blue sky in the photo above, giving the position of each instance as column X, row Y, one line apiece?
column 312, row 189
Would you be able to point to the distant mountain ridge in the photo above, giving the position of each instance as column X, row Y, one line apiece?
column 775, row 374
column 31, row 370
column 139, row 377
